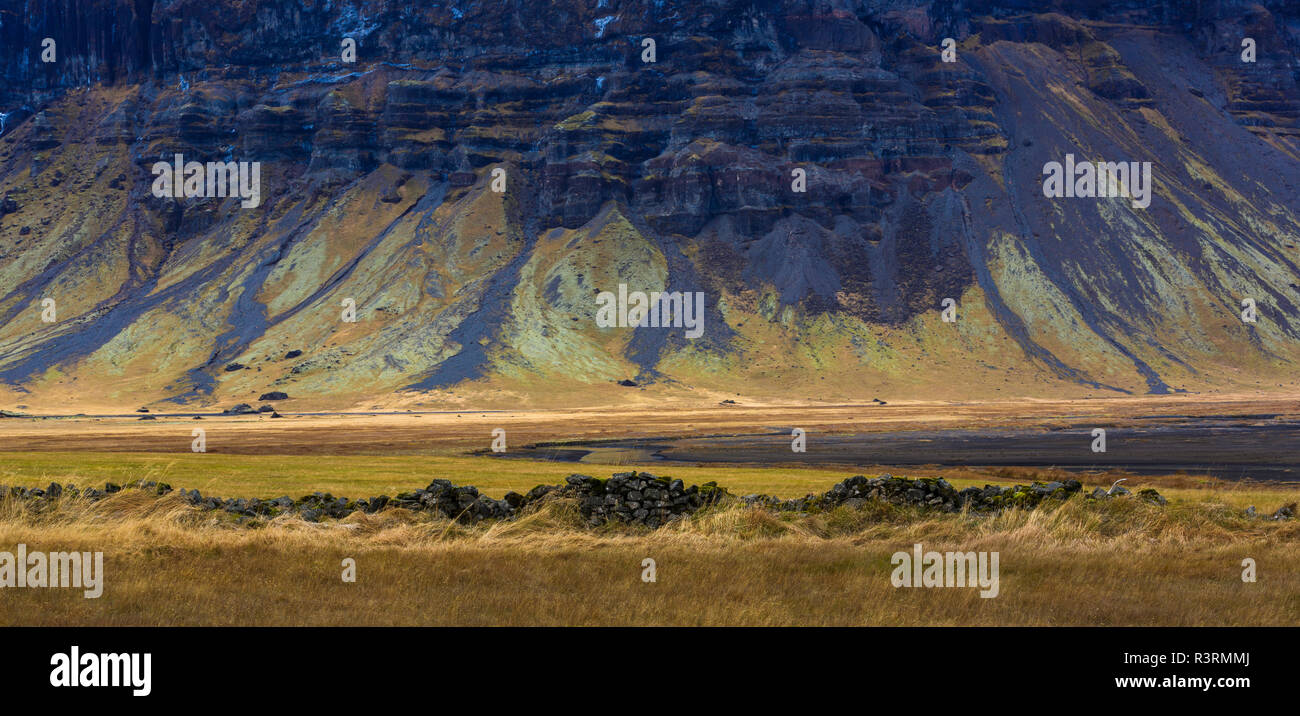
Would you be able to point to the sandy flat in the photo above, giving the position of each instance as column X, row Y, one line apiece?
column 369, row 433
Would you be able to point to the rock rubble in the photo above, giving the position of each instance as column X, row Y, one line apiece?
column 627, row 497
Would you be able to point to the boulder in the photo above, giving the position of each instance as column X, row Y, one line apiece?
column 1150, row 495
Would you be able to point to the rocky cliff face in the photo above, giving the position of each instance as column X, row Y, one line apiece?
column 924, row 182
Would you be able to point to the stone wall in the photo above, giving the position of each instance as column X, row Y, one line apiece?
column 626, row 497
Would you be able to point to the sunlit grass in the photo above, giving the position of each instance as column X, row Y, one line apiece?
column 269, row 476
column 357, row 476
column 1089, row 563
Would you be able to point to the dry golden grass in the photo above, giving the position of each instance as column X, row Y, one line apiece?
column 1114, row 563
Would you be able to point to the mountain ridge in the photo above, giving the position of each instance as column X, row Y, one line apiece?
column 924, row 183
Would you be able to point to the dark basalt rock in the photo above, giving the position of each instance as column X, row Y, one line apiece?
column 926, row 492
column 638, row 498
column 1150, row 495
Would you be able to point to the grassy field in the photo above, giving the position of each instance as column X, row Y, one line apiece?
column 1122, row 562
column 1118, row 562
column 357, row 476
column 269, row 476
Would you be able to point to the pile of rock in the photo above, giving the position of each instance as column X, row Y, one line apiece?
column 55, row 491
column 631, row 497
column 992, row 497
column 639, row 498
column 928, row 492
column 627, row 497
column 1285, row 512
column 1117, row 490
column 244, row 507
column 311, row 507
column 463, row 503
column 1150, row 495
column 635, row 497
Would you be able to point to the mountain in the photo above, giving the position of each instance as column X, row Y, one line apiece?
column 924, row 182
